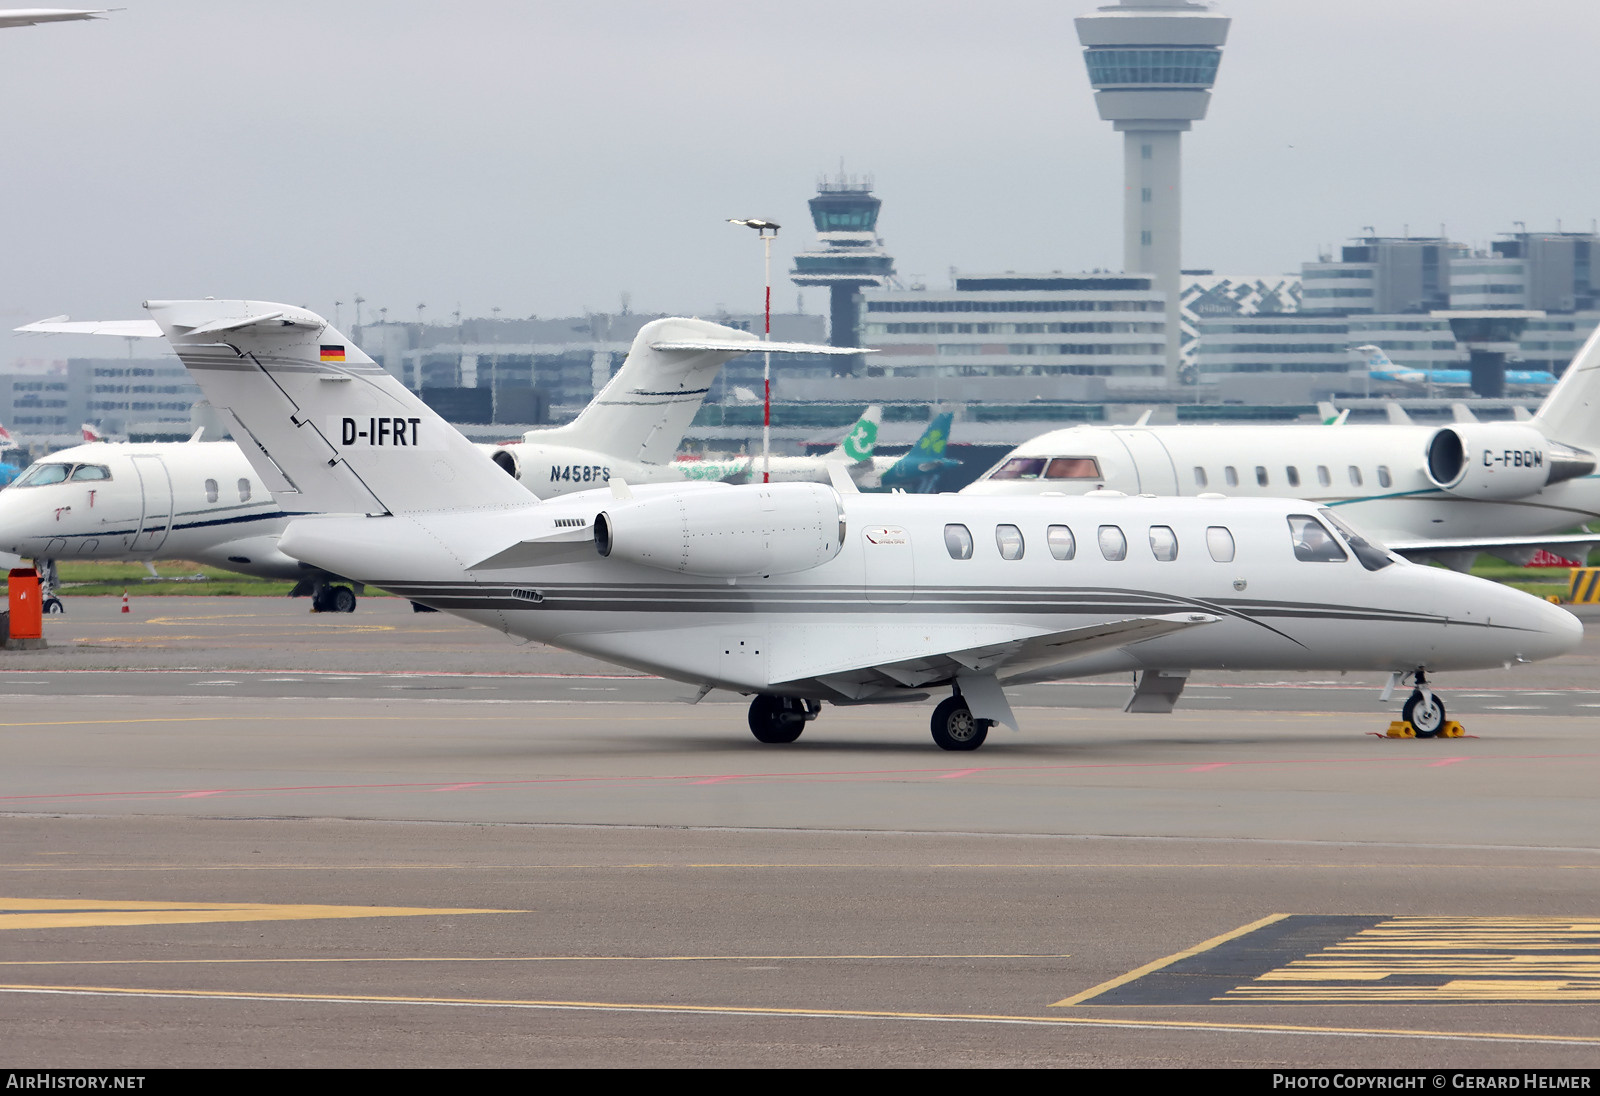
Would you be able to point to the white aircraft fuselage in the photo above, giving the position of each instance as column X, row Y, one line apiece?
column 892, row 613
column 199, row 501
column 1377, row 476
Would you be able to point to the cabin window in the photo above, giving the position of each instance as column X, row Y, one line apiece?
column 1073, row 468
column 1231, row 476
column 90, row 472
column 1024, row 468
column 1312, row 542
column 1199, row 476
column 1293, row 475
column 1163, row 543
column 1324, row 476
column 1219, row 542
column 41, row 474
column 1008, row 538
column 244, row 490
column 1261, row 475
column 1355, row 476
column 1062, row 545
column 1384, row 479
column 958, row 541
column 211, row 490
column 1113, row 545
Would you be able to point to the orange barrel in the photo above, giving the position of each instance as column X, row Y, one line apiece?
column 27, row 610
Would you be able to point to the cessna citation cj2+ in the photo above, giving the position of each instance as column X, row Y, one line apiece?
column 1445, row 493
column 799, row 593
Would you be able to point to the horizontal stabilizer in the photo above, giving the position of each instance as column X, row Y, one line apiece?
column 751, row 345
column 60, row 325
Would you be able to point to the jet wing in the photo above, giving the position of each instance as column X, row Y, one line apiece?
column 60, row 325
column 859, row 661
column 1518, row 550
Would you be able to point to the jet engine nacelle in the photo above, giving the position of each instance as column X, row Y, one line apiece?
column 772, row 529
column 1500, row 460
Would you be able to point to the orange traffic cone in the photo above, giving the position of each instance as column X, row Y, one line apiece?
column 124, row 601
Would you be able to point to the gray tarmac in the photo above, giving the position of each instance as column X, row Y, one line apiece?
column 239, row 834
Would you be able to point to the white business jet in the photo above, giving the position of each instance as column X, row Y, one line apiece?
column 800, row 593
column 202, row 502
column 1446, row 493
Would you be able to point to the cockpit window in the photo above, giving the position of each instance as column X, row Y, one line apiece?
column 1374, row 557
column 41, row 474
column 90, row 472
column 1073, row 468
column 1019, row 468
column 1312, row 542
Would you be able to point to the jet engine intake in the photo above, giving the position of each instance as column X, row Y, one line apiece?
column 1500, row 460
column 770, row 529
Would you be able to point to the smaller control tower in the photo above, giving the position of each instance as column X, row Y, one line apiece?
column 849, row 256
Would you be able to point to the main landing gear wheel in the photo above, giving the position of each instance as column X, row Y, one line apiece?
column 334, row 599
column 52, row 604
column 1424, row 713
column 954, row 727
column 777, row 719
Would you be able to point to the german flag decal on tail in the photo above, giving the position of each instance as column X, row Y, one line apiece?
column 333, row 353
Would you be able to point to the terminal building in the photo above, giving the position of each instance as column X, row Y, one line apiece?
column 1396, row 293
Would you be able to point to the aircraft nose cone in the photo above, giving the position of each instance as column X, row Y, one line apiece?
column 1559, row 631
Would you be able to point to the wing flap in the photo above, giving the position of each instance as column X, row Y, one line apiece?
column 865, row 658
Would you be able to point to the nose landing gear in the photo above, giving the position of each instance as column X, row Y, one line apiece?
column 1423, row 715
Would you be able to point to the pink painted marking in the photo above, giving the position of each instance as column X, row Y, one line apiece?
column 201, row 795
column 959, row 773
column 1447, row 761
column 1208, row 768
column 459, row 787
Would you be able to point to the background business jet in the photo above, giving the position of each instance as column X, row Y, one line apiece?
column 1446, row 493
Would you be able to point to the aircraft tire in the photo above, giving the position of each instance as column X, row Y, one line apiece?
column 776, row 719
column 954, row 728
column 342, row 599
column 53, row 605
column 1426, row 719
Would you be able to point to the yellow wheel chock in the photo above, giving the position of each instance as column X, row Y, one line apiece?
column 1402, row 728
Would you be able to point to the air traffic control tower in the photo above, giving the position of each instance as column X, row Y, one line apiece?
column 1152, row 64
column 849, row 257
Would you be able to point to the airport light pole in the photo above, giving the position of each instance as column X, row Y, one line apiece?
column 768, row 231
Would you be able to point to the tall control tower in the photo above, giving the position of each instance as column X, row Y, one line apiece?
column 1152, row 64
column 849, row 258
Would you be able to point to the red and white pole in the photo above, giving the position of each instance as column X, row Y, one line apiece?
column 766, row 369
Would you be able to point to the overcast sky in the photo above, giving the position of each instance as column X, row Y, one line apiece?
column 543, row 158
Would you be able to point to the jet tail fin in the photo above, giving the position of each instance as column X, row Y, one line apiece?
column 862, row 438
column 323, row 425
column 641, row 415
column 1571, row 412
